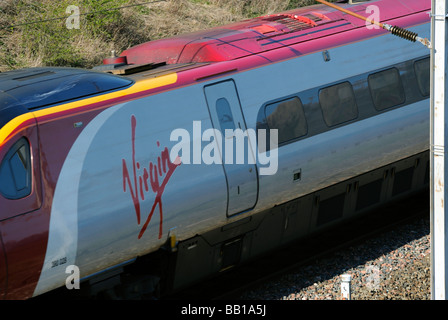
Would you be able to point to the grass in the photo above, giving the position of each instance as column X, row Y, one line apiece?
column 49, row 42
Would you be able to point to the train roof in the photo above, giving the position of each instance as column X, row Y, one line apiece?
column 266, row 33
column 28, row 89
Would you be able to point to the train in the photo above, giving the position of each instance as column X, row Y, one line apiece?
column 190, row 155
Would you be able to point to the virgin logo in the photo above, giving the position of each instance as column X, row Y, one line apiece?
column 142, row 177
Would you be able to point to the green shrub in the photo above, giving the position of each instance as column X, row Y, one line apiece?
column 38, row 34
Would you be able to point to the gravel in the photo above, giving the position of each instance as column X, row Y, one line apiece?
column 392, row 266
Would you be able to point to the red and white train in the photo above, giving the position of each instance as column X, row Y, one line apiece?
column 102, row 168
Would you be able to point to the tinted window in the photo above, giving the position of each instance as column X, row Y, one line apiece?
column 422, row 71
column 338, row 104
column 38, row 92
column 7, row 112
column 224, row 115
column 288, row 117
column 15, row 171
column 386, row 89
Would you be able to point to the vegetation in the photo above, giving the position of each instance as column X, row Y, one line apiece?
column 35, row 33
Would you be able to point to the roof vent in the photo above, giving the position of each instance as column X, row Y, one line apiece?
column 356, row 1
column 114, row 59
column 293, row 22
column 119, row 65
column 264, row 29
column 126, row 69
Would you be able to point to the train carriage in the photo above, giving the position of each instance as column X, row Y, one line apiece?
column 138, row 158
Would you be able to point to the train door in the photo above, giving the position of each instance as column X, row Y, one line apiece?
column 225, row 112
column 20, row 189
column 23, row 227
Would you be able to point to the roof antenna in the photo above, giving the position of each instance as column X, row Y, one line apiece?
column 397, row 31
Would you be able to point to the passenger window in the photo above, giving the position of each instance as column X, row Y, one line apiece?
column 386, row 89
column 288, row 117
column 422, row 71
column 338, row 104
column 15, row 171
column 225, row 115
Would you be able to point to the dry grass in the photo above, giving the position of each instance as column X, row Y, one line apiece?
column 51, row 43
column 182, row 16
